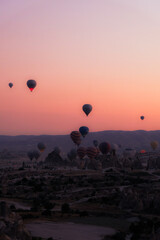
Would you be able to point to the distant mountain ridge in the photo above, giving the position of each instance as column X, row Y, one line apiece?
column 138, row 139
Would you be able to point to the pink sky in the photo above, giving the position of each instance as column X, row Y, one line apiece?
column 102, row 52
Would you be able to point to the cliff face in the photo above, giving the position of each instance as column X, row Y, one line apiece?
column 11, row 225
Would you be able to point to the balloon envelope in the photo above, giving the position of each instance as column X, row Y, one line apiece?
column 95, row 143
column 87, row 108
column 10, row 85
column 114, row 146
column 30, row 155
column 104, row 147
column 91, row 152
column 76, row 137
column 31, row 84
column 84, row 131
column 41, row 146
column 81, row 151
column 142, row 117
column 72, row 154
column 154, row 145
column 36, row 154
column 57, row 150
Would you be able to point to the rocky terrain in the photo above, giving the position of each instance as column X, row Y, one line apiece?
column 111, row 191
column 11, row 225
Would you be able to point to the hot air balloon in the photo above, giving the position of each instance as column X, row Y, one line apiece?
column 104, row 147
column 76, row 137
column 72, row 154
column 84, row 131
column 95, row 143
column 10, row 85
column 114, row 148
column 91, row 152
column 57, row 150
column 154, row 145
column 129, row 152
column 143, row 151
column 30, row 155
column 87, row 108
column 31, row 84
column 36, row 154
column 81, row 151
column 41, row 146
column 142, row 117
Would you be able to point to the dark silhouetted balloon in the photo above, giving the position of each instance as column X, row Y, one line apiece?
column 81, row 151
column 154, row 145
column 36, row 154
column 41, row 146
column 142, row 117
column 95, row 143
column 84, row 131
column 30, row 155
column 104, row 147
column 72, row 154
column 91, row 152
column 87, row 108
column 31, row 84
column 10, row 85
column 57, row 150
column 76, row 137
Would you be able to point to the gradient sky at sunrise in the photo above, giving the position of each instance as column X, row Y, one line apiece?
column 102, row 52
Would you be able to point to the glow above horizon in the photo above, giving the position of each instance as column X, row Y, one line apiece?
column 105, row 53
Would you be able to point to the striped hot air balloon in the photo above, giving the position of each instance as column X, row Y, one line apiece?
column 91, row 152
column 76, row 137
column 81, row 151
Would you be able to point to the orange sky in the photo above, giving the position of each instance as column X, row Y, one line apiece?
column 105, row 53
